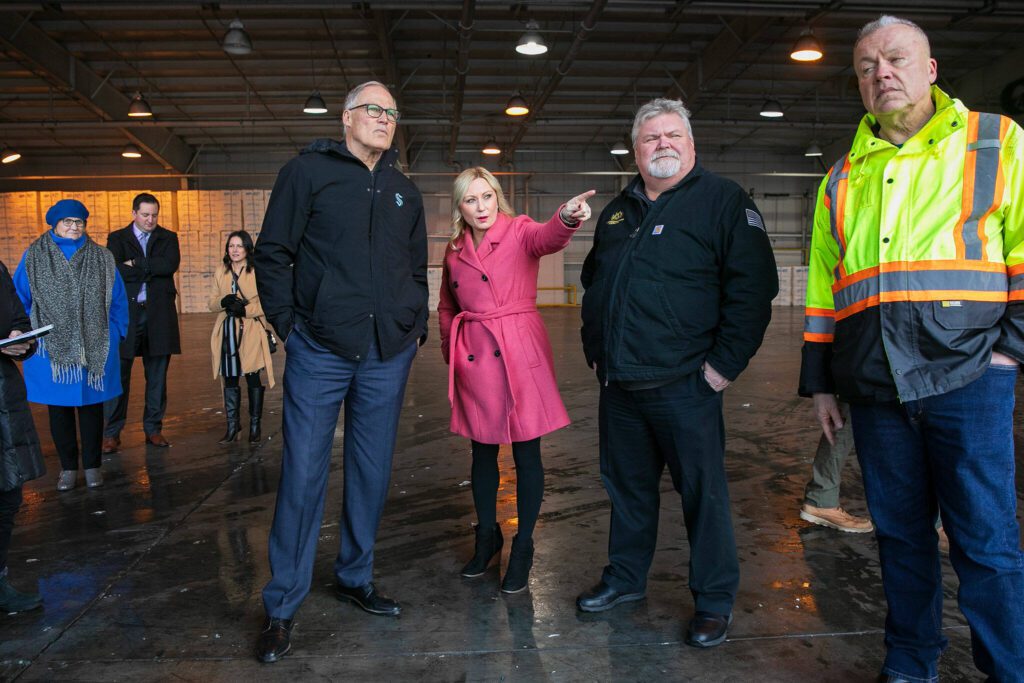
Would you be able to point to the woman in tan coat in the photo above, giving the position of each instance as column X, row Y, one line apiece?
column 239, row 340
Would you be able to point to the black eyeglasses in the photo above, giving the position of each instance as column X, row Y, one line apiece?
column 375, row 110
column 73, row 223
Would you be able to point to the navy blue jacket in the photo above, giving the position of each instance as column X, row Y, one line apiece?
column 344, row 250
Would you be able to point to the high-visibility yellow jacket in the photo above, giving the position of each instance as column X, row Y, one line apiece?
column 917, row 259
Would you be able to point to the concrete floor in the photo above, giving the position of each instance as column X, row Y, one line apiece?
column 157, row 575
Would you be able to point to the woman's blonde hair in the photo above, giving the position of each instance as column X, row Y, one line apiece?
column 459, row 189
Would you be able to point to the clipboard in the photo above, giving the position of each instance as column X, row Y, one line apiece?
column 28, row 336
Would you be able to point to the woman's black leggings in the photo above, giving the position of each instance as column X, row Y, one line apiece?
column 252, row 380
column 529, row 483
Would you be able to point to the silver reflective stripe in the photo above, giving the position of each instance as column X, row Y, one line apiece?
column 986, row 167
column 819, row 324
column 921, row 281
column 832, row 190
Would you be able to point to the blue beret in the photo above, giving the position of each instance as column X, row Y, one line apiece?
column 66, row 208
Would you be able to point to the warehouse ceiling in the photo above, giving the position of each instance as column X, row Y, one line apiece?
column 68, row 71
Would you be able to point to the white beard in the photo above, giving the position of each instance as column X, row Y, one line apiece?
column 664, row 167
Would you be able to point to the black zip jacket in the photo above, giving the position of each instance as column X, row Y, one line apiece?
column 344, row 250
column 687, row 279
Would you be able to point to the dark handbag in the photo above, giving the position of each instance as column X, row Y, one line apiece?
column 271, row 339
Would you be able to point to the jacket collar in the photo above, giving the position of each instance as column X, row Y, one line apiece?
column 474, row 255
column 950, row 116
column 337, row 148
column 637, row 184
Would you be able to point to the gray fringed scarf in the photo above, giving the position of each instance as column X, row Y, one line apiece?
column 74, row 295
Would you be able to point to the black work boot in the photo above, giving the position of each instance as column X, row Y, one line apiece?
column 12, row 600
column 488, row 544
column 520, row 560
column 232, row 403
column 255, row 413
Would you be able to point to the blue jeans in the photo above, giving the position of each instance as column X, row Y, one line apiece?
column 316, row 383
column 953, row 454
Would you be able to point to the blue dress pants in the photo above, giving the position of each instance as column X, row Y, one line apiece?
column 316, row 384
column 951, row 453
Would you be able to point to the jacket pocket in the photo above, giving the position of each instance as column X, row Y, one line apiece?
column 650, row 334
column 967, row 315
column 591, row 313
column 527, row 341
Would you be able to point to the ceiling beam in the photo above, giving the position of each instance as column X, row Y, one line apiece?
column 586, row 26
column 382, row 25
column 721, row 52
column 31, row 47
column 461, row 69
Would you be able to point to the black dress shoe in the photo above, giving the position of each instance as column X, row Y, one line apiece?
column 707, row 629
column 369, row 599
column 275, row 640
column 602, row 597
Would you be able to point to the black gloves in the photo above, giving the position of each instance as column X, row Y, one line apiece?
column 234, row 306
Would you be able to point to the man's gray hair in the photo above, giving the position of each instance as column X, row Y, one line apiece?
column 658, row 107
column 889, row 20
column 353, row 94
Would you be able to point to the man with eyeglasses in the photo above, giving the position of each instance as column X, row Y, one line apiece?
column 341, row 267
column 147, row 257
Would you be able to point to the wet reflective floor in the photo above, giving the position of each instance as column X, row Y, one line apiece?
column 157, row 575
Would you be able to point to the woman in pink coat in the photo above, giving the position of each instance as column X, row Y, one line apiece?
column 501, row 379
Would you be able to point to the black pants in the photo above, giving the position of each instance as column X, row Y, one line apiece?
column 10, row 501
column 529, row 483
column 156, row 386
column 642, row 431
column 252, row 380
column 65, row 438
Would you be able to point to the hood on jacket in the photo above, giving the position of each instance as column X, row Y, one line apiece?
column 338, row 148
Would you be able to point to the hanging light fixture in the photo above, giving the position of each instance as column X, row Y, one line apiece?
column 491, row 147
column 813, row 150
column 531, row 43
column 619, row 148
column 236, row 40
column 771, row 109
column 131, row 151
column 517, row 106
column 139, row 108
column 807, row 48
column 8, row 155
column 315, row 104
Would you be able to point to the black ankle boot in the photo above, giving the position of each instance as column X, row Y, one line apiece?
column 520, row 560
column 488, row 544
column 232, row 402
column 255, row 413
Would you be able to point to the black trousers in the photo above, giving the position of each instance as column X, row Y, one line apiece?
column 642, row 431
column 10, row 501
column 156, row 386
column 65, row 435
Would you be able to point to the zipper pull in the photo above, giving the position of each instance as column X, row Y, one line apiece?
column 636, row 231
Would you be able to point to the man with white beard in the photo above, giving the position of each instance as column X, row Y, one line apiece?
column 679, row 285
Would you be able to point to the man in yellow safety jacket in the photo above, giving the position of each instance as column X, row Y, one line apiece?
column 915, row 316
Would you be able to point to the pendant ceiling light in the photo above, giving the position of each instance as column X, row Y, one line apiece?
column 131, row 151
column 619, row 149
column 491, row 147
column 531, row 43
column 813, row 150
column 771, row 109
column 139, row 108
column 315, row 104
column 517, row 106
column 236, row 40
column 8, row 155
column 807, row 48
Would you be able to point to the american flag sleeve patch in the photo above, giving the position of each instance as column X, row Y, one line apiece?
column 754, row 219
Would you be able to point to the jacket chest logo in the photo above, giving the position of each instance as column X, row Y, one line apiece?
column 616, row 218
column 398, row 199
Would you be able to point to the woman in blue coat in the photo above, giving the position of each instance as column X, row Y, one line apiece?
column 67, row 280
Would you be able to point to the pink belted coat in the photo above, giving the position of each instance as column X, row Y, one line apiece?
column 501, row 378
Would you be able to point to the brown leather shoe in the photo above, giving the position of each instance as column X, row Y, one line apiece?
column 157, row 440
column 111, row 444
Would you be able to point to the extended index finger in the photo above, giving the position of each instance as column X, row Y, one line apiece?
column 584, row 197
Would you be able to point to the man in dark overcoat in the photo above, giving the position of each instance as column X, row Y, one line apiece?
column 147, row 257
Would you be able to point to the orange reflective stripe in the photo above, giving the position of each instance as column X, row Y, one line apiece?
column 967, row 196
column 823, row 312
column 1015, row 270
column 1004, row 127
column 814, row 337
column 841, row 215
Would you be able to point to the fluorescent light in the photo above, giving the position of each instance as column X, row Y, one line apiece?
column 771, row 109
column 619, row 148
column 517, row 106
column 139, row 108
column 491, row 147
column 130, row 151
column 813, row 150
column 9, row 156
column 807, row 48
column 531, row 43
column 236, row 40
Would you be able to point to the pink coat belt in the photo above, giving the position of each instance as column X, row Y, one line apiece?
column 521, row 306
